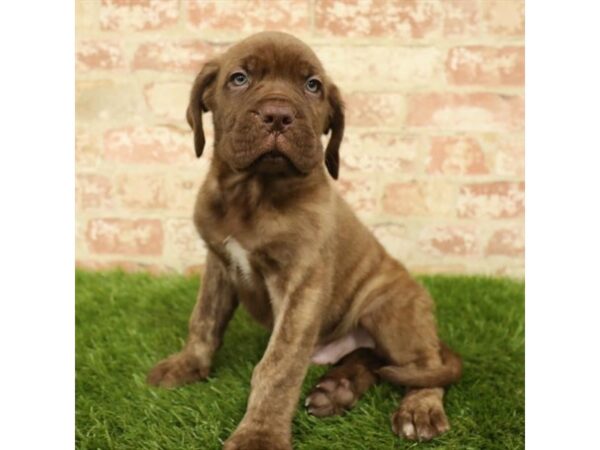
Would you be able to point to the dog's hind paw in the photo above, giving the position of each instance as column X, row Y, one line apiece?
column 421, row 417
column 331, row 396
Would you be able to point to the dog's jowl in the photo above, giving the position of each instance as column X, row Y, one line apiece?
column 286, row 246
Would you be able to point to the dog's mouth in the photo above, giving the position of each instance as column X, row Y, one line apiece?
column 286, row 153
column 274, row 162
column 273, row 156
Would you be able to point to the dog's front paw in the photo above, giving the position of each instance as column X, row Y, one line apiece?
column 257, row 440
column 177, row 370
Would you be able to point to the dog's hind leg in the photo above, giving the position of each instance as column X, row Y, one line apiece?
column 404, row 331
column 340, row 388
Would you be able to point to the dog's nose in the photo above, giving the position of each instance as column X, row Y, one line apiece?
column 276, row 116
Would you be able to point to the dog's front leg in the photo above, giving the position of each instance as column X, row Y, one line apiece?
column 277, row 379
column 215, row 306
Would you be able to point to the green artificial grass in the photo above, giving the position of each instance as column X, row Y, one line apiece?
column 127, row 322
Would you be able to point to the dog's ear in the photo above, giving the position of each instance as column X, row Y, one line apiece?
column 336, row 125
column 200, row 99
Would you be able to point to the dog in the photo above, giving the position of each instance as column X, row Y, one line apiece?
column 283, row 243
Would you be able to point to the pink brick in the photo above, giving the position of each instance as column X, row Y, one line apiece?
column 141, row 191
column 456, row 155
column 169, row 100
column 88, row 148
column 379, row 18
column 124, row 236
column 249, row 16
column 378, row 152
column 478, row 65
column 182, row 187
column 507, row 242
column 183, row 244
column 184, row 56
column 491, row 200
column 466, row 112
column 360, row 194
column 110, row 99
column 419, row 199
column 462, row 18
column 86, row 17
column 94, row 191
column 504, row 17
column 136, row 145
column 80, row 237
column 405, row 199
column 374, row 109
column 509, row 154
column 99, row 55
column 395, row 238
column 138, row 15
column 386, row 66
column 449, row 240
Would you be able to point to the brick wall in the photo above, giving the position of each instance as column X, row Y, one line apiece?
column 433, row 158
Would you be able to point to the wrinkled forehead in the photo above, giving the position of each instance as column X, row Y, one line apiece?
column 267, row 55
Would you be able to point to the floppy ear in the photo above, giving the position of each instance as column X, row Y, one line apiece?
column 336, row 125
column 199, row 99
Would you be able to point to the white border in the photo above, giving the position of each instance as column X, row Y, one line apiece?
column 562, row 224
column 37, row 226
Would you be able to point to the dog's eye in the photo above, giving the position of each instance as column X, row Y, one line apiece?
column 238, row 79
column 313, row 85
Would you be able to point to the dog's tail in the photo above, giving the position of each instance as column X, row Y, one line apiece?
column 449, row 372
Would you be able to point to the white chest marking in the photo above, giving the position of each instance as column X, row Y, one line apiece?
column 238, row 256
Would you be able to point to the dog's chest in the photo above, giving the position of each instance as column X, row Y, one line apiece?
column 239, row 260
column 249, row 282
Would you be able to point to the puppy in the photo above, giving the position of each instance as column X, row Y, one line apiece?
column 285, row 245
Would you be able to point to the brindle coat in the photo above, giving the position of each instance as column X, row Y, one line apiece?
column 283, row 243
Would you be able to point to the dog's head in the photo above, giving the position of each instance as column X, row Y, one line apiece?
column 271, row 101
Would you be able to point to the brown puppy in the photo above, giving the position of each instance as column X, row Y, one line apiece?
column 285, row 244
